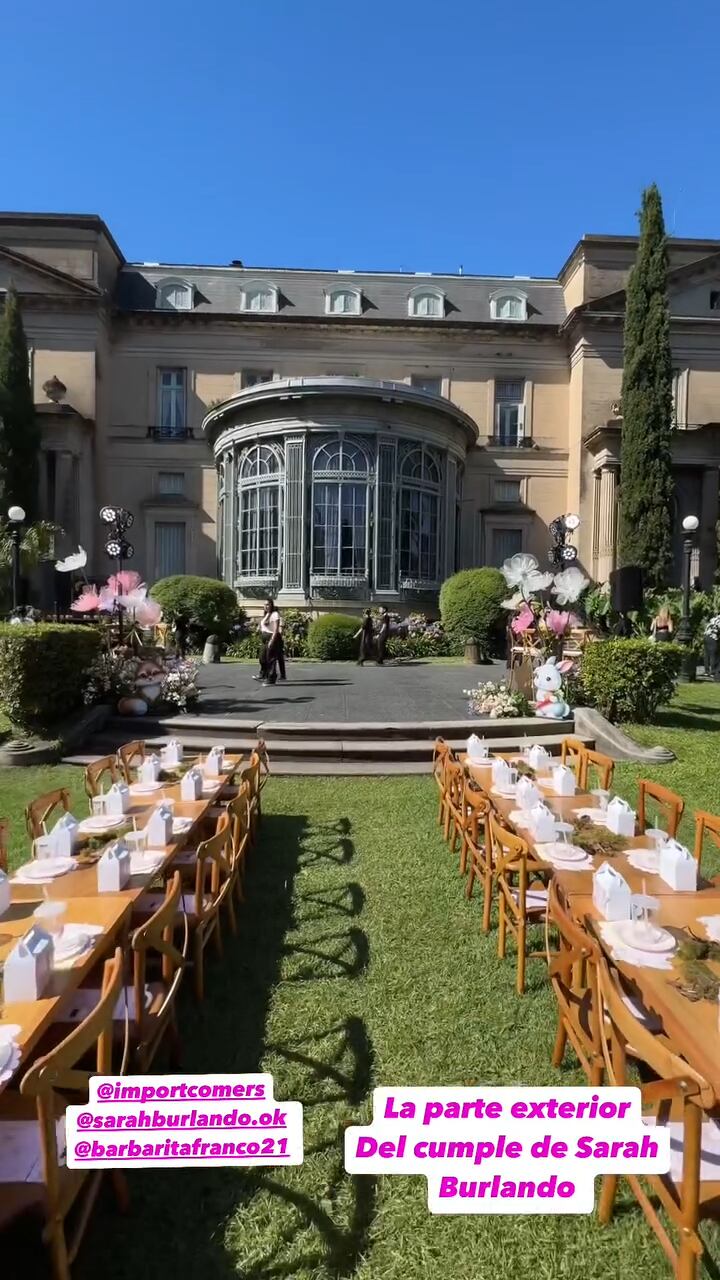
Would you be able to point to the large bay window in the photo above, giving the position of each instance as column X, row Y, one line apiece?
column 341, row 475
column 258, row 487
column 419, row 515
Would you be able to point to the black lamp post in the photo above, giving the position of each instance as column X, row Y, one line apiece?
column 118, row 520
column 684, row 631
column 16, row 516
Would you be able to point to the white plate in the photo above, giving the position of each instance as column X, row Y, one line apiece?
column 628, row 933
column 7, row 1050
column 47, row 868
column 181, row 824
column 644, row 860
column 71, row 944
column 99, row 823
column 595, row 815
column 144, row 788
column 562, row 852
column 142, row 864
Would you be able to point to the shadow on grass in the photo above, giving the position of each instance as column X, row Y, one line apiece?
column 668, row 718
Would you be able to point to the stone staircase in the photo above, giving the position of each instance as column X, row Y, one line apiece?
column 324, row 747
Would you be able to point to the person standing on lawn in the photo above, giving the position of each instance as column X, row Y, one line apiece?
column 383, row 636
column 366, row 635
column 273, row 652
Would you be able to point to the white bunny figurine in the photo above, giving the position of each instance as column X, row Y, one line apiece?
column 547, row 679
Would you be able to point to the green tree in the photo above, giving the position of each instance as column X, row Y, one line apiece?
column 646, row 487
column 20, row 432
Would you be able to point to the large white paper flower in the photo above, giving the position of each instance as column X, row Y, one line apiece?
column 522, row 571
column 77, row 560
column 569, row 585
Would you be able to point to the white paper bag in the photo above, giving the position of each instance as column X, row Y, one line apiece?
column 150, row 769
column 117, row 799
column 563, row 780
column 501, row 774
column 538, row 759
column 212, row 765
column 171, row 754
column 477, row 749
column 620, row 818
column 191, row 785
column 64, row 836
column 28, row 967
column 527, row 794
column 159, row 827
column 4, row 893
column 542, row 824
column 677, row 867
column 113, row 869
column 611, row 893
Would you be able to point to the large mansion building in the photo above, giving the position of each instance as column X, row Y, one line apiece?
column 342, row 437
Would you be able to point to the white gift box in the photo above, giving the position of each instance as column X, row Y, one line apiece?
column 527, row 794
column 677, row 867
column 191, row 785
column 538, row 759
column 63, row 836
column 476, row 748
column 611, row 893
column 117, row 799
column 171, row 754
column 150, row 769
column 28, row 967
column 563, row 780
column 113, row 869
column 4, row 893
column 542, row 824
column 620, row 818
column 501, row 774
column 159, row 828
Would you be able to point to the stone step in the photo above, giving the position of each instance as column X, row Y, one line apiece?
column 212, row 729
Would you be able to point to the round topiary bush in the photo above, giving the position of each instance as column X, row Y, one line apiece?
column 627, row 680
column 471, row 607
column 331, row 638
column 208, row 605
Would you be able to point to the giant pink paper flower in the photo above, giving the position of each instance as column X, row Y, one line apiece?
column 87, row 602
column 523, row 620
column 558, row 622
column 124, row 583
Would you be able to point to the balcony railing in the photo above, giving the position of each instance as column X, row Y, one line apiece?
column 170, row 433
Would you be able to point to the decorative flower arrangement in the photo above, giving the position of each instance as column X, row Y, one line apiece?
column 496, row 702
column 179, row 688
column 534, row 613
column 712, row 627
column 119, row 677
column 123, row 591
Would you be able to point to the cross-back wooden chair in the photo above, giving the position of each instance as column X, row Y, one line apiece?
column 597, row 771
column 98, row 772
column 239, row 816
column 4, row 841
column 668, row 804
column 573, row 977
column 522, row 894
column 250, row 776
column 681, row 1099
column 261, row 752
column 129, row 756
column 572, row 753
column 32, row 1172
column 453, row 802
column 39, row 811
column 441, row 754
column 706, row 824
column 476, row 856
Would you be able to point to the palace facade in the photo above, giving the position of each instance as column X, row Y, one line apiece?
column 341, row 437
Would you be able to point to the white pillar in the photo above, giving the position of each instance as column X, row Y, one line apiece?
column 607, row 522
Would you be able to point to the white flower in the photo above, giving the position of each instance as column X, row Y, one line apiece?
column 77, row 560
column 569, row 585
column 522, row 571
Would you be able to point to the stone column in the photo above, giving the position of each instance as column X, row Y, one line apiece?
column 293, row 578
column 709, row 514
column 385, row 571
column 447, row 556
column 66, row 494
column 607, row 522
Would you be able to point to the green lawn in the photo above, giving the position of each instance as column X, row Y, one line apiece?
column 360, row 964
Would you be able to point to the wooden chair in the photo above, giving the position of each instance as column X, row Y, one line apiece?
column 441, row 754
column 4, row 841
column 669, row 805
column 522, row 898
column 251, row 777
column 681, row 1099
column 573, row 977
column 129, row 757
column 453, row 802
column 602, row 766
column 572, row 753
column 97, row 772
column 39, row 811
column 261, row 752
column 32, row 1174
column 476, row 854
column 239, row 816
column 706, row 824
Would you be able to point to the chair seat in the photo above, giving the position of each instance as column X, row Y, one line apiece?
column 149, row 903
column 86, row 998
column 21, row 1150
column 645, row 1017
column 185, row 858
column 535, row 899
column 709, row 1155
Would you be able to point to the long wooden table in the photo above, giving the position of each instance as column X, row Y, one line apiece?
column 86, row 906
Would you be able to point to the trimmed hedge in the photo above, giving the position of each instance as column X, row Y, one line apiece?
column 627, row 680
column 330, row 638
column 471, row 606
column 43, row 671
column 210, row 606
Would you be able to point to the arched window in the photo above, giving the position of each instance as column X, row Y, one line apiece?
column 174, row 295
column 258, row 295
column 341, row 475
column 419, row 526
column 427, row 302
column 258, row 486
column 508, row 306
column 343, row 302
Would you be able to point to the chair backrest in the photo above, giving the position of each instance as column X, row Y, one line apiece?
column 669, row 804
column 214, row 870
column 238, row 811
column 39, row 811
column 129, row 756
column 441, row 752
column 156, row 937
column 509, row 851
column 261, row 752
column 706, row 824
column 572, row 753
column 454, row 783
column 602, row 766
column 476, row 808
column 4, row 840
column 573, row 977
column 96, row 772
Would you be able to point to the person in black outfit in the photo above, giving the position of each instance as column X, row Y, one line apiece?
column 366, row 635
column 383, row 635
column 180, row 627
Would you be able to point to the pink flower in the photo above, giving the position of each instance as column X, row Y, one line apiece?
column 87, row 601
column 148, row 613
column 122, row 584
column 558, row 622
column 523, row 620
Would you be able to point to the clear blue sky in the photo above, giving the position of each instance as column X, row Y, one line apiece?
column 388, row 134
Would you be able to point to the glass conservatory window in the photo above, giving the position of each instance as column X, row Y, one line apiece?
column 341, row 474
column 259, row 476
column 419, row 514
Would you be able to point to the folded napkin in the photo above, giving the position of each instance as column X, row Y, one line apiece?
column 520, row 818
column 545, row 851
column 711, row 925
column 594, row 815
column 72, row 931
column 644, row 860
column 8, row 1034
column 146, row 863
column 628, row 955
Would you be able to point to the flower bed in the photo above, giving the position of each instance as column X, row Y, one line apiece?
column 496, row 702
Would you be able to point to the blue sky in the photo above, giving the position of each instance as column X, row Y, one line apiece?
column 388, row 134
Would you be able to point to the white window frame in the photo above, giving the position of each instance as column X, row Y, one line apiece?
column 159, row 521
column 519, row 404
column 255, row 286
column 171, row 493
column 513, row 480
column 426, row 291
column 428, row 377
column 341, row 477
column 347, row 291
column 515, row 295
column 174, row 282
column 172, row 432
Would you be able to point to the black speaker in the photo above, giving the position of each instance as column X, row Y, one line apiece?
column 626, row 589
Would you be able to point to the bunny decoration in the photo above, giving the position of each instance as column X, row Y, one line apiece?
column 547, row 679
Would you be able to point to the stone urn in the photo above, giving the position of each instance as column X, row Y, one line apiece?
column 211, row 652
column 472, row 652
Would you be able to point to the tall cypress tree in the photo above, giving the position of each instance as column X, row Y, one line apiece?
column 20, row 433
column 646, row 483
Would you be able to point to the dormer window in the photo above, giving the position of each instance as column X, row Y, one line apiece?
column 259, row 296
column 508, row 306
column 428, row 303
column 343, row 302
column 174, row 295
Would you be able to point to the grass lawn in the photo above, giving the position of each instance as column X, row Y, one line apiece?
column 360, row 964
